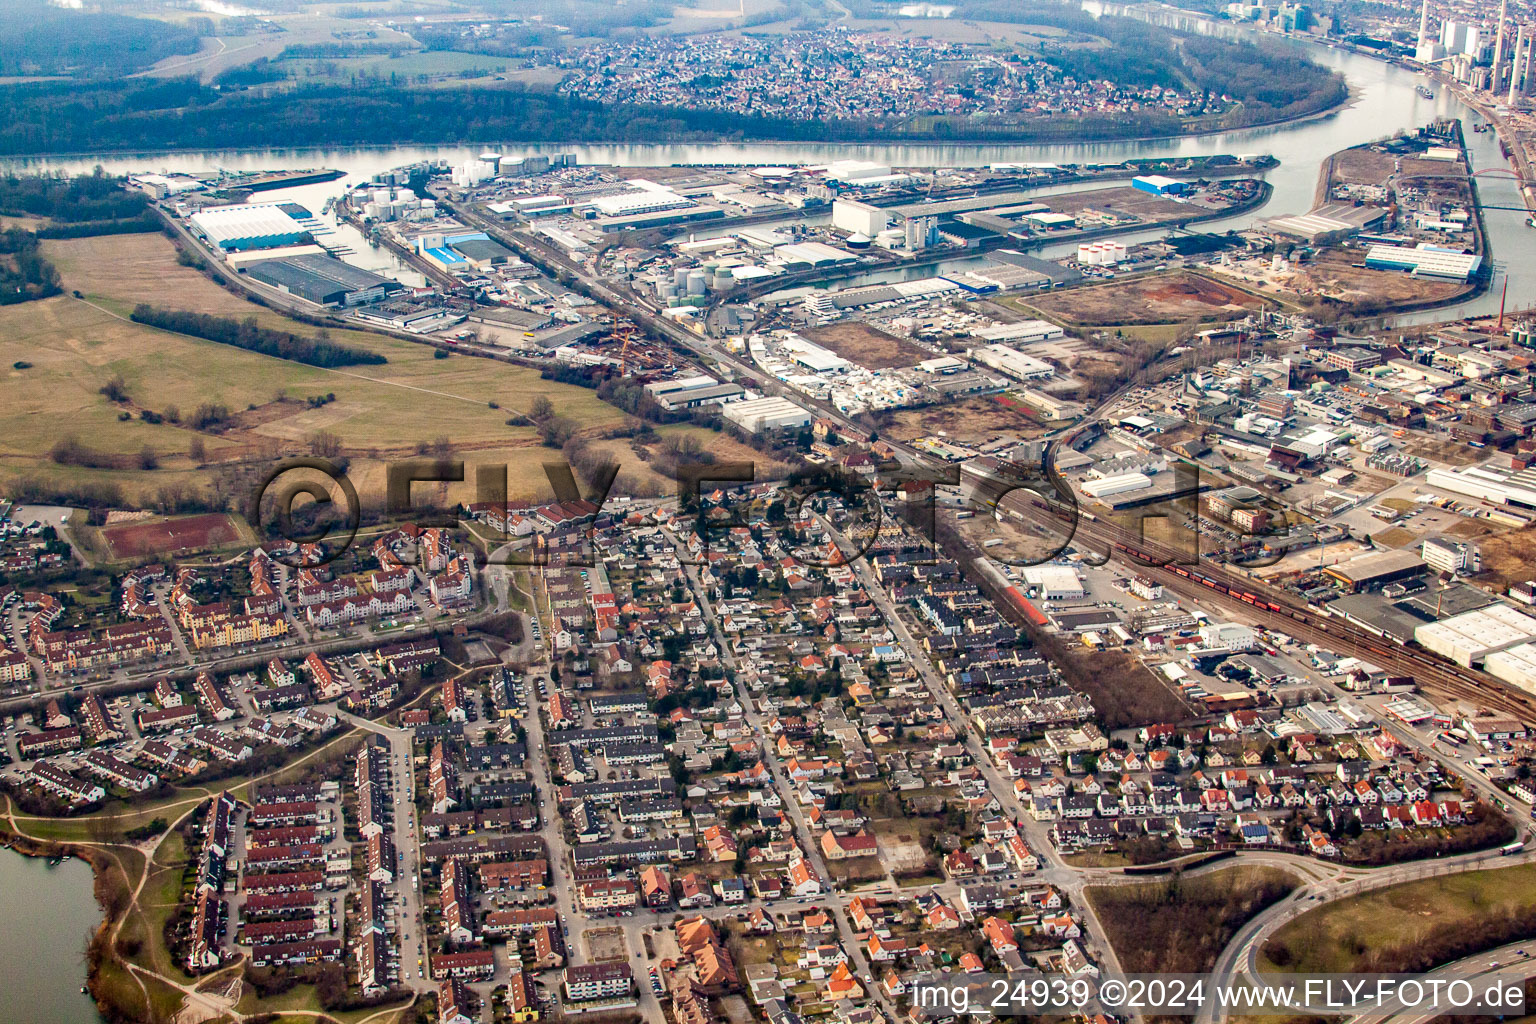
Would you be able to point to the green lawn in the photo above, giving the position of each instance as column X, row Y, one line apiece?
column 1337, row 936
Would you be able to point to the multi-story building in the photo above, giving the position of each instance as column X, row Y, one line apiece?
column 597, row 981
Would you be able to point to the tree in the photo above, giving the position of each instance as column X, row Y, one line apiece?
column 541, row 409
column 325, row 444
column 116, row 389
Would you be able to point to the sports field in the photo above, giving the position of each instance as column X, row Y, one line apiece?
column 167, row 536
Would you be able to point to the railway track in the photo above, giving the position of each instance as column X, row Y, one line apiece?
column 1434, row 675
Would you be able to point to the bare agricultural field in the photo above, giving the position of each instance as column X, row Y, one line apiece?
column 646, row 465
column 1174, row 297
column 868, row 346
column 1454, row 452
column 1362, row 167
column 1507, row 557
column 138, row 268
column 1334, row 282
column 972, row 421
column 71, row 348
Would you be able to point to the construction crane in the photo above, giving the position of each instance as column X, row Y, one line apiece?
column 625, row 335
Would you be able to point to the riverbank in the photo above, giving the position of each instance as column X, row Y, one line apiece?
column 432, row 118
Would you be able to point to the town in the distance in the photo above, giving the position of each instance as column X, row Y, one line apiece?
column 809, row 528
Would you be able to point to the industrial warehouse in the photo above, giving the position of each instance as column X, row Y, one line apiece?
column 323, row 280
column 254, row 226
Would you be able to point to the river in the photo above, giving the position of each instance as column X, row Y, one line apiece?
column 1383, row 101
column 48, row 915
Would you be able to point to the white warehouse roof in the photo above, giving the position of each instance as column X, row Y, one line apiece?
column 221, row 224
column 1117, row 484
column 1515, row 665
column 1026, row 330
column 1054, row 580
column 771, row 413
column 1472, row 636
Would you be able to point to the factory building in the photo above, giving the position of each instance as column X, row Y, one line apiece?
column 692, row 392
column 460, row 254
column 323, row 280
column 1424, row 260
column 1158, row 185
column 1055, row 582
column 1024, row 332
column 1375, row 569
column 1498, row 484
column 855, row 217
column 1452, row 556
column 1120, row 483
column 757, row 415
column 1048, row 221
column 643, row 197
column 1227, row 636
column 1515, row 665
column 1470, row 638
column 1314, row 443
column 1012, row 362
column 252, row 226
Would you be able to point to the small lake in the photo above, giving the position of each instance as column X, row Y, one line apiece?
column 47, row 916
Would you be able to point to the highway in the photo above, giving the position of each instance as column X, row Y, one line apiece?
column 1240, row 959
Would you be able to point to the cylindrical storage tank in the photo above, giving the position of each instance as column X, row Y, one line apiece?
column 673, row 302
column 696, row 282
column 1119, row 252
column 724, row 279
column 1085, row 253
column 680, row 277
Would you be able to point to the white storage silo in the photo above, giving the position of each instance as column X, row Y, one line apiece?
column 697, row 282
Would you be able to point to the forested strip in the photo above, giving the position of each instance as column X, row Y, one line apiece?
column 252, row 337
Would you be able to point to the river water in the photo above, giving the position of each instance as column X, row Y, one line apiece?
column 1383, row 101
column 47, row 915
